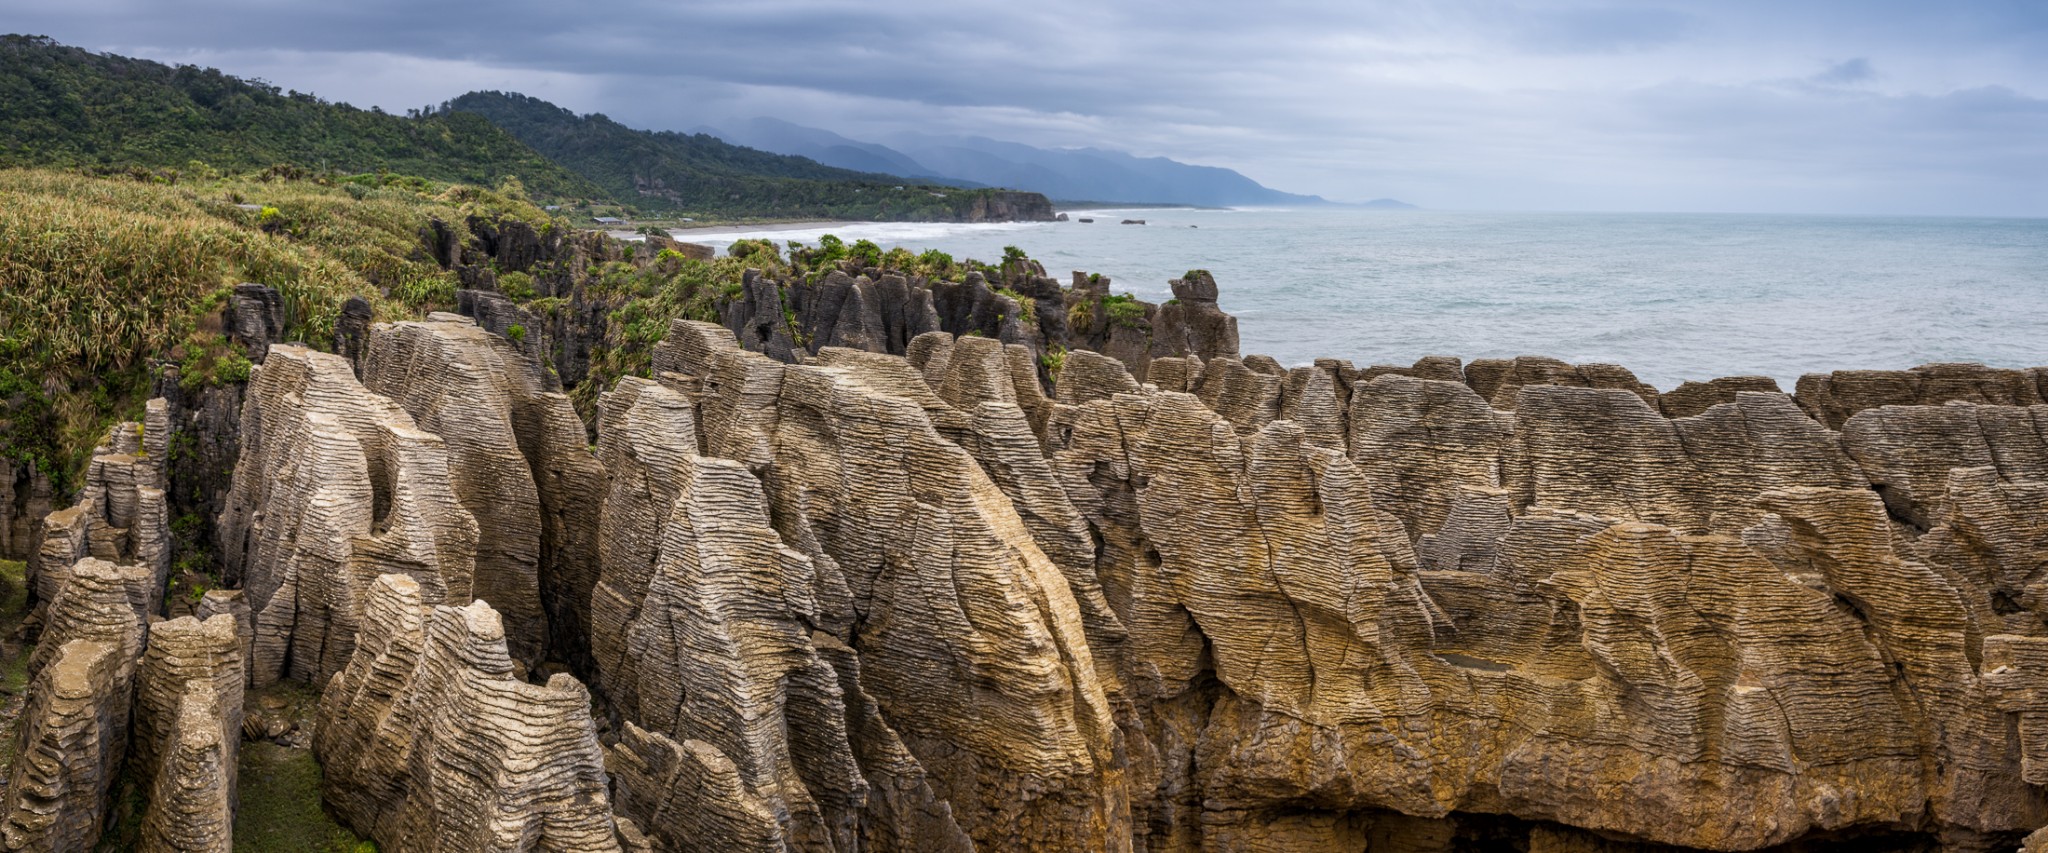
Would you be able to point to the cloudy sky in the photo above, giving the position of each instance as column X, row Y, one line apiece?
column 1855, row 106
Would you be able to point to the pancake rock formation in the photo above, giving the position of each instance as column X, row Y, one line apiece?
column 427, row 742
column 884, row 564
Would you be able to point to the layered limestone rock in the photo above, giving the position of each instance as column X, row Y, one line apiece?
column 427, row 742
column 335, row 486
column 121, row 516
column 70, row 739
column 969, row 637
column 72, row 735
column 1744, row 686
column 871, row 310
column 187, row 732
column 1833, row 398
column 518, row 462
column 837, row 598
column 714, row 651
column 1500, row 381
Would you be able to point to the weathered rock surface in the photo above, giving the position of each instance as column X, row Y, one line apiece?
column 187, row 732
column 873, row 311
column 518, row 463
column 866, row 581
column 71, row 740
column 427, row 742
column 334, row 486
column 1833, row 398
column 122, row 516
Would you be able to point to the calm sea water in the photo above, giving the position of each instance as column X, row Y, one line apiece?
column 1670, row 296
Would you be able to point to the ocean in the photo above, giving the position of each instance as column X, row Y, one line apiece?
column 1670, row 296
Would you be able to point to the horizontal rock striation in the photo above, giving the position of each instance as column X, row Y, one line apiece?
column 335, row 485
column 187, row 732
column 517, row 462
column 427, row 742
column 887, row 564
column 121, row 516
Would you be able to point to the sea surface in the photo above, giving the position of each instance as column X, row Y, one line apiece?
column 1670, row 296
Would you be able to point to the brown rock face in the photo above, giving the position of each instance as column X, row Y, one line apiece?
column 716, row 655
column 188, row 730
column 969, row 637
column 1833, row 398
column 427, row 742
column 335, row 485
column 851, row 600
column 121, row 516
column 517, row 461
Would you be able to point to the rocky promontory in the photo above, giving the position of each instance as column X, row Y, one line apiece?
column 897, row 562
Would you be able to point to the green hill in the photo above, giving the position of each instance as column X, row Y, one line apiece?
column 696, row 173
column 65, row 106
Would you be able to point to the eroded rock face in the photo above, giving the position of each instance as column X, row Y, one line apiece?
column 335, row 486
column 716, row 654
column 427, row 742
column 121, row 517
column 517, row 460
column 71, row 735
column 851, row 600
column 969, row 637
column 873, row 311
column 1833, row 398
column 188, row 730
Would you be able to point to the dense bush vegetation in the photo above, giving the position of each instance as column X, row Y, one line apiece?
column 700, row 174
column 101, row 277
column 64, row 106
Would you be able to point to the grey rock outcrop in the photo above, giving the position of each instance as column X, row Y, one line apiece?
column 334, row 486
column 427, row 742
column 518, row 462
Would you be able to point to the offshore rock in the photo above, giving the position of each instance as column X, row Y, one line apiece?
column 427, row 742
column 518, row 462
column 334, row 486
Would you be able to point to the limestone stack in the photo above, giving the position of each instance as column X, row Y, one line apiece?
column 427, row 742
column 335, row 486
column 518, row 461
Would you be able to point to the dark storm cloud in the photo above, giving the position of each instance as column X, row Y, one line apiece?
column 1882, row 105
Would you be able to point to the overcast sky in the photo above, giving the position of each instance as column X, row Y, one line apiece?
column 1856, row 106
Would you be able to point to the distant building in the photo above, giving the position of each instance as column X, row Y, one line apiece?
column 610, row 220
column 552, row 207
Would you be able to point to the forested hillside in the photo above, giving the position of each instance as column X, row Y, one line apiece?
column 64, row 106
column 700, row 173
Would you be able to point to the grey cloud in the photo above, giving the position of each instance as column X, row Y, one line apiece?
column 1453, row 103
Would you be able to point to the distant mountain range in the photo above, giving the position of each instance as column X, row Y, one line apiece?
column 1070, row 174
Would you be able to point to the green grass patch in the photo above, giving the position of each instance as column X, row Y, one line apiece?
column 13, row 655
column 102, row 276
column 280, row 808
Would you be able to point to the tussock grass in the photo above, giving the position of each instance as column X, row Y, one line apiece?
column 102, row 276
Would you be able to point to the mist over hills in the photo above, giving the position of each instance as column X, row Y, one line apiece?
column 1072, row 174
